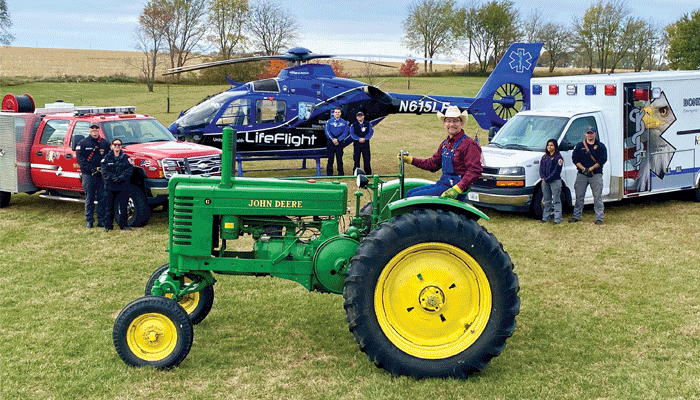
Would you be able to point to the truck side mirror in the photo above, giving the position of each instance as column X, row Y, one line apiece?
column 492, row 132
column 565, row 146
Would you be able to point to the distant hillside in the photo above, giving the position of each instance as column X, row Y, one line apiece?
column 45, row 63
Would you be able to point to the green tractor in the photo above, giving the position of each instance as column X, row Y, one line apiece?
column 428, row 291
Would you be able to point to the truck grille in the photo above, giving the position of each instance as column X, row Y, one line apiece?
column 192, row 166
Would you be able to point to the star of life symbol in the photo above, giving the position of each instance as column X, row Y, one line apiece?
column 520, row 60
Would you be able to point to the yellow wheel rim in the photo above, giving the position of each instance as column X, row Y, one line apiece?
column 151, row 337
column 189, row 301
column 432, row 300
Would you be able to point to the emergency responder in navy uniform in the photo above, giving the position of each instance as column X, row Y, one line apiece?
column 89, row 153
column 361, row 132
column 116, row 172
column 589, row 156
column 459, row 157
column 337, row 131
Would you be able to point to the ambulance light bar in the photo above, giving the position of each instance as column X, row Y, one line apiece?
column 80, row 111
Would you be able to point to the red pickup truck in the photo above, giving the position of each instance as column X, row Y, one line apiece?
column 37, row 152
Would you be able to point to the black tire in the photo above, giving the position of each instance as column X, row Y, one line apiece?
column 197, row 305
column 152, row 331
column 5, row 199
column 442, row 267
column 137, row 209
column 537, row 207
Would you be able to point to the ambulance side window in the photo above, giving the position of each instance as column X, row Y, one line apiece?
column 577, row 130
column 54, row 132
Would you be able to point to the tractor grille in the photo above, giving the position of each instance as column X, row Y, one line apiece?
column 182, row 220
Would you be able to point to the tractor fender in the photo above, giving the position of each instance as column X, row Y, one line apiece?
column 433, row 202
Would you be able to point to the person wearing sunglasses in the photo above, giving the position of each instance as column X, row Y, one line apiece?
column 116, row 173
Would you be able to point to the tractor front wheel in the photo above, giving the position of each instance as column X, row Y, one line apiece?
column 197, row 304
column 431, row 294
column 154, row 331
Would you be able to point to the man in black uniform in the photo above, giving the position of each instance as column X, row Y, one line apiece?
column 90, row 152
column 361, row 132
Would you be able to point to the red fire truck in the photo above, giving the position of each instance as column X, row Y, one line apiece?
column 37, row 152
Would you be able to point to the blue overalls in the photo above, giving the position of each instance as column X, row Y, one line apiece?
column 448, row 179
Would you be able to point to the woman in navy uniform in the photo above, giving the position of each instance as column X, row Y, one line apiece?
column 116, row 173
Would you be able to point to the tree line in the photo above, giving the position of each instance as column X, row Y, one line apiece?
column 607, row 36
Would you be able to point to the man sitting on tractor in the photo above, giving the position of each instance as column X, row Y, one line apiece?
column 459, row 157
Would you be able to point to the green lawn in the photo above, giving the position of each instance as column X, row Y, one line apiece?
column 608, row 312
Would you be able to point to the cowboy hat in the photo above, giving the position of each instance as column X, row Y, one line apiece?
column 453, row 112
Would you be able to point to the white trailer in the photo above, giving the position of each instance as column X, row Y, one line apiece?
column 649, row 122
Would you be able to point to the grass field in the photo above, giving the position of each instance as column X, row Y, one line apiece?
column 608, row 312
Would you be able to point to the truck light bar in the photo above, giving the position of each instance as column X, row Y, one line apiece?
column 80, row 111
column 553, row 89
column 610, row 90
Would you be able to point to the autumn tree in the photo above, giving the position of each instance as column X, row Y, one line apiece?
column 185, row 29
column 271, row 27
column 490, row 29
column 150, row 37
column 226, row 20
column 429, row 27
column 273, row 69
column 5, row 24
column 644, row 41
column 556, row 39
column 684, row 42
column 408, row 69
column 603, row 32
column 338, row 69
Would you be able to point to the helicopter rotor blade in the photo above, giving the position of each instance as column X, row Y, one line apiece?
column 177, row 70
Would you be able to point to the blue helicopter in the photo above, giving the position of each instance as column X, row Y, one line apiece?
column 285, row 116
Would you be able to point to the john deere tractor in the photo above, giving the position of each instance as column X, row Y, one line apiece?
column 428, row 291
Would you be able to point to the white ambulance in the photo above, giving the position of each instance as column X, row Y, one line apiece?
column 649, row 122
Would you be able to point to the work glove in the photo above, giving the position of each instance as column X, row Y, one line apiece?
column 406, row 158
column 452, row 192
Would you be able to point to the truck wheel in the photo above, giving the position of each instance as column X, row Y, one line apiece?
column 197, row 305
column 431, row 294
column 537, row 207
column 152, row 331
column 137, row 210
column 5, row 199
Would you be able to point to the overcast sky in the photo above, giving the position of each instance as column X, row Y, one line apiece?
column 329, row 26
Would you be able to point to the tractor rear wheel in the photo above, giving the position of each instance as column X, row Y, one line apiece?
column 5, row 199
column 153, row 331
column 197, row 304
column 431, row 293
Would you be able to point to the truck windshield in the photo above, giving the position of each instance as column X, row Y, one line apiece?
column 529, row 132
column 132, row 131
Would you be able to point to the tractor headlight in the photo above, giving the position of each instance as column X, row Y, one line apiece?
column 362, row 181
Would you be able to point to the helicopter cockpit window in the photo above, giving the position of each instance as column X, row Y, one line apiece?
column 270, row 111
column 203, row 113
column 237, row 113
column 266, row 85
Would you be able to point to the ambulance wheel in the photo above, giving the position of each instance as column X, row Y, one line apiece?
column 697, row 193
column 152, row 331
column 197, row 304
column 537, row 206
column 431, row 293
column 137, row 210
column 5, row 199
